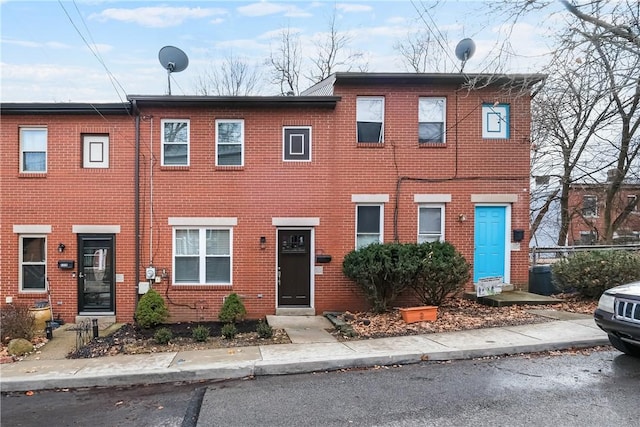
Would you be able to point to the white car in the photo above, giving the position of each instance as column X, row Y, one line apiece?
column 618, row 314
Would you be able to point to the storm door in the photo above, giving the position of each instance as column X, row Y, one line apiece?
column 294, row 268
column 96, row 273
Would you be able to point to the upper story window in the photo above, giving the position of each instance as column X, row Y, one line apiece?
column 33, row 150
column 370, row 118
column 33, row 263
column 431, row 120
column 95, row 151
column 175, row 142
column 229, row 142
column 589, row 206
column 430, row 223
column 368, row 224
column 631, row 199
column 297, row 144
column 495, row 121
column 202, row 255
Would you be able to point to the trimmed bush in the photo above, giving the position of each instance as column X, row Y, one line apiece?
column 16, row 322
column 200, row 333
column 442, row 271
column 264, row 330
column 232, row 310
column 382, row 271
column 229, row 331
column 151, row 310
column 591, row 273
column 163, row 336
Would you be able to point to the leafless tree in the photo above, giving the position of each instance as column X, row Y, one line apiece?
column 333, row 53
column 235, row 76
column 420, row 53
column 285, row 62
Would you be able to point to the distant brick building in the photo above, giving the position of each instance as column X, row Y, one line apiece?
column 263, row 196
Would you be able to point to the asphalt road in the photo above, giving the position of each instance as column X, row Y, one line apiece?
column 597, row 389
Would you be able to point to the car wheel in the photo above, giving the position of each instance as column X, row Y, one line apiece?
column 630, row 349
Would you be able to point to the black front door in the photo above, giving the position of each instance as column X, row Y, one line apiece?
column 96, row 273
column 294, row 268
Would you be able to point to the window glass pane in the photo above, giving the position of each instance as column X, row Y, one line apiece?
column 369, row 109
column 369, row 132
column 34, row 161
column 431, row 132
column 33, row 249
column 229, row 132
column 431, row 109
column 187, row 270
column 367, row 239
column 176, row 132
column 187, row 242
column 217, row 242
column 33, row 277
column 369, row 219
column 175, row 154
column 218, row 270
column 430, row 220
column 34, row 139
column 230, row 155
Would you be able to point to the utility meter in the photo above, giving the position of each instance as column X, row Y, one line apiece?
column 150, row 273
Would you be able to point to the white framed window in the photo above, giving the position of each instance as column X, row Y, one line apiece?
column 95, row 151
column 370, row 118
column 432, row 113
column 202, row 255
column 369, row 224
column 33, row 263
column 296, row 143
column 632, row 198
column 431, row 223
column 33, row 149
column 495, row 121
column 175, row 142
column 590, row 206
column 229, row 142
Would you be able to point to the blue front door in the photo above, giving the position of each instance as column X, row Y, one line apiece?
column 489, row 235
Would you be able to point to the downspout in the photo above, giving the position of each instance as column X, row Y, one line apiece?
column 136, row 180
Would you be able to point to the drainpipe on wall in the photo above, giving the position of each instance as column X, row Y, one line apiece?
column 136, row 180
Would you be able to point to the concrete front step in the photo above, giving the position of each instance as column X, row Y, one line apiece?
column 296, row 311
column 512, row 298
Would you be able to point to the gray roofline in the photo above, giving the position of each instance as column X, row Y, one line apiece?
column 438, row 77
column 123, row 108
column 233, row 101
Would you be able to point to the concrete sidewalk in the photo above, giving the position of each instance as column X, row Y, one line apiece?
column 303, row 355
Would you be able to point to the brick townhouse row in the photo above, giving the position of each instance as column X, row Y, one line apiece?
column 200, row 196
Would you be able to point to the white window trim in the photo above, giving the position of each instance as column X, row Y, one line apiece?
column 201, row 255
column 46, row 148
column 241, row 121
column 381, row 139
column 284, row 142
column 503, row 110
column 381, row 232
column 444, row 119
column 21, row 263
column 442, row 219
column 87, row 141
column 188, row 143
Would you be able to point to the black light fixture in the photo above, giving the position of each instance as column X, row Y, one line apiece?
column 61, row 247
column 263, row 242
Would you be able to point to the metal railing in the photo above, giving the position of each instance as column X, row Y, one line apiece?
column 559, row 252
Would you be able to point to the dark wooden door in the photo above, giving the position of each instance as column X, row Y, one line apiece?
column 294, row 268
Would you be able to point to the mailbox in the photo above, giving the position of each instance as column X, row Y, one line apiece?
column 66, row 264
column 518, row 235
column 323, row 259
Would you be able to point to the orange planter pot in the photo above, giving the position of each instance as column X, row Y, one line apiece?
column 428, row 313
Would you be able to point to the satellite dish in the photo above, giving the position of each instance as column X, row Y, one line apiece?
column 465, row 50
column 173, row 60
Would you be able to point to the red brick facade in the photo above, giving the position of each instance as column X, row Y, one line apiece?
column 263, row 196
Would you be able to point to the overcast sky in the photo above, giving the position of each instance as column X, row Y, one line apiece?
column 99, row 51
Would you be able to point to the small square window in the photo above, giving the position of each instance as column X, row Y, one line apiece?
column 431, row 120
column 495, row 121
column 33, row 150
column 370, row 119
column 175, row 142
column 95, row 151
column 297, row 144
